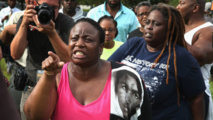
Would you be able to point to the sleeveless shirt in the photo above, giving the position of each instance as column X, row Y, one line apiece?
column 68, row 108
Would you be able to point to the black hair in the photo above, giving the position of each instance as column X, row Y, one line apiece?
column 143, row 3
column 121, row 73
column 95, row 25
column 109, row 18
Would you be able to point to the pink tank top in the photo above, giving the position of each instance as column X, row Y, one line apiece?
column 68, row 108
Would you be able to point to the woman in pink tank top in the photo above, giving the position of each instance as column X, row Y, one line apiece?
column 87, row 88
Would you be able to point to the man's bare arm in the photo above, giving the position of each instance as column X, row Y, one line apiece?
column 197, row 107
column 7, row 34
column 201, row 47
column 19, row 42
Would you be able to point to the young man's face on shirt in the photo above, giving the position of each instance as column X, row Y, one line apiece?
column 128, row 95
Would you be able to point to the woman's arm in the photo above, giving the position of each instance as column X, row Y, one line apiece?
column 42, row 101
column 8, row 110
column 197, row 107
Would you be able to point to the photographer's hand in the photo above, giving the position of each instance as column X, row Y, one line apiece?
column 20, row 42
column 59, row 46
column 47, row 29
column 28, row 15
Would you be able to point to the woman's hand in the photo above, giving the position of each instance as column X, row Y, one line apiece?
column 52, row 64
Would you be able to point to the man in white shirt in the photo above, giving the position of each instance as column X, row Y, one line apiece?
column 198, row 36
column 70, row 8
column 6, row 37
column 7, row 12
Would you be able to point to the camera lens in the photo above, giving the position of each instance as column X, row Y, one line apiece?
column 44, row 16
column 45, row 13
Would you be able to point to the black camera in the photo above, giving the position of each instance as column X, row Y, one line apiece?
column 45, row 13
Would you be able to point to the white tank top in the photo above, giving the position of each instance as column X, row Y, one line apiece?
column 205, row 69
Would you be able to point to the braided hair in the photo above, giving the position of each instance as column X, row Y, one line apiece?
column 175, row 35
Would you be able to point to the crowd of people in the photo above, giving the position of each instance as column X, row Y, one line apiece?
column 149, row 64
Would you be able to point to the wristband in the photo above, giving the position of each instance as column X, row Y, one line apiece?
column 49, row 73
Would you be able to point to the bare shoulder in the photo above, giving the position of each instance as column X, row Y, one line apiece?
column 106, row 66
column 58, row 77
column 205, row 31
column 107, row 63
column 203, row 35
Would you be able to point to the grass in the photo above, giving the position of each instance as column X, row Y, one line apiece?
column 3, row 67
column 211, row 87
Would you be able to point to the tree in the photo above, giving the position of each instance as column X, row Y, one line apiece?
column 158, row 1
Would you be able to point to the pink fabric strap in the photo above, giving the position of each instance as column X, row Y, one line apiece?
column 68, row 108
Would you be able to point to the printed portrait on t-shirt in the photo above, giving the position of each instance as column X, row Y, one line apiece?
column 127, row 94
column 153, row 79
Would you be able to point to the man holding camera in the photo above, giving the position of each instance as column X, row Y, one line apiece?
column 40, row 37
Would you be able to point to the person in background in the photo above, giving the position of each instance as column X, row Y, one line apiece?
column 5, row 13
column 71, row 8
column 1, row 55
column 142, row 10
column 134, row 9
column 82, row 90
column 198, row 36
column 109, row 25
column 6, row 37
column 208, row 12
column 39, row 39
column 8, row 109
column 171, row 74
column 126, row 18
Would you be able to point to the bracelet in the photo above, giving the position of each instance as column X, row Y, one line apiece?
column 49, row 73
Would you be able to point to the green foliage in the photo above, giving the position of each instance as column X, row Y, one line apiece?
column 159, row 1
column 3, row 67
column 173, row 2
column 211, row 86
